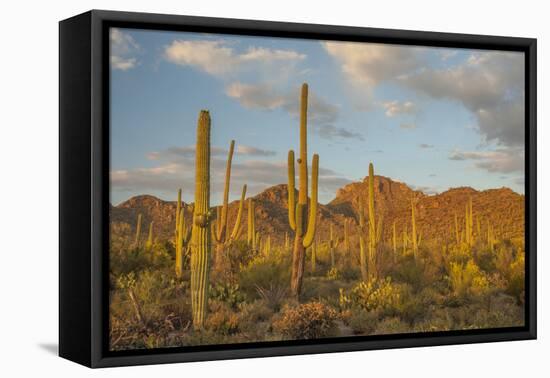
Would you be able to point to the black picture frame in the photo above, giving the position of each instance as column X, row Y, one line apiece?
column 84, row 187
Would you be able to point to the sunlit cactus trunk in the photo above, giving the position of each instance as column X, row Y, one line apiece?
column 304, row 227
column 149, row 243
column 394, row 240
column 346, row 237
column 182, row 236
column 314, row 256
column 457, row 231
column 332, row 246
column 223, row 239
column 251, row 237
column 469, row 224
column 375, row 230
column 362, row 248
column 138, row 232
column 201, row 235
column 414, row 235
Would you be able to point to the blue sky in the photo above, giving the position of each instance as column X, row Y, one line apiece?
column 432, row 118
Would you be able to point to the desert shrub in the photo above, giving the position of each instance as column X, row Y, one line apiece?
column 362, row 322
column 485, row 259
column 410, row 271
column 333, row 274
column 255, row 320
column 306, row 321
column 221, row 319
column 516, row 278
column 381, row 295
column 466, row 280
column 228, row 293
column 264, row 273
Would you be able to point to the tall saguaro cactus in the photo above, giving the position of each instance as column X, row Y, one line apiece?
column 251, row 237
column 414, row 235
column 375, row 229
column 304, row 226
column 138, row 231
column 201, row 235
column 332, row 245
column 149, row 243
column 182, row 235
column 394, row 240
column 362, row 232
column 469, row 223
column 223, row 239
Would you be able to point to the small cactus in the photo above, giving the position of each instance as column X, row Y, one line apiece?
column 182, row 235
column 414, row 234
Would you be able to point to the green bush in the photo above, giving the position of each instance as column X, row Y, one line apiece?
column 376, row 294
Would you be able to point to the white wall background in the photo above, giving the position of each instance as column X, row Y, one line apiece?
column 29, row 186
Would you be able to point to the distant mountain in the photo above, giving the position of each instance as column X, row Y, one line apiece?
column 502, row 208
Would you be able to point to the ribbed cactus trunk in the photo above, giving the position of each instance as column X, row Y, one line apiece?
column 469, row 224
column 182, row 236
column 362, row 248
column 304, row 227
column 374, row 234
column 223, row 239
column 394, row 240
column 138, row 232
column 201, row 234
column 149, row 243
column 251, row 237
column 332, row 245
column 414, row 236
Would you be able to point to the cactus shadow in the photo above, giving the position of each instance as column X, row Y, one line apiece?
column 52, row 348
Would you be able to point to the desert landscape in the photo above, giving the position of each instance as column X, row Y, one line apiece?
column 379, row 258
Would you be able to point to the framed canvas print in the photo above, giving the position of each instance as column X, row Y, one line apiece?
column 234, row 188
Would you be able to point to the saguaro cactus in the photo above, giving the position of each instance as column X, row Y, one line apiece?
column 304, row 226
column 182, row 235
column 394, row 240
column 375, row 229
column 138, row 232
column 223, row 240
column 251, row 237
column 201, row 235
column 362, row 232
column 149, row 243
column 332, row 245
column 414, row 235
column 469, row 223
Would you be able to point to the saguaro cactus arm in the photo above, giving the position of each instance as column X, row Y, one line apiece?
column 312, row 220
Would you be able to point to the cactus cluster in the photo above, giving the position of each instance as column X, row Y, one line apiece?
column 303, row 225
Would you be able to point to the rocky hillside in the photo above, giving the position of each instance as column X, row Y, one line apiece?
column 503, row 208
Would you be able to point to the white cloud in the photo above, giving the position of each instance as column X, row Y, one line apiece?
column 218, row 57
column 178, row 172
column 489, row 84
column 394, row 108
column 254, row 151
column 321, row 114
column 122, row 47
column 502, row 160
column 368, row 64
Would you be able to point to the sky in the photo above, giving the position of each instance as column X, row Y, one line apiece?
column 433, row 118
